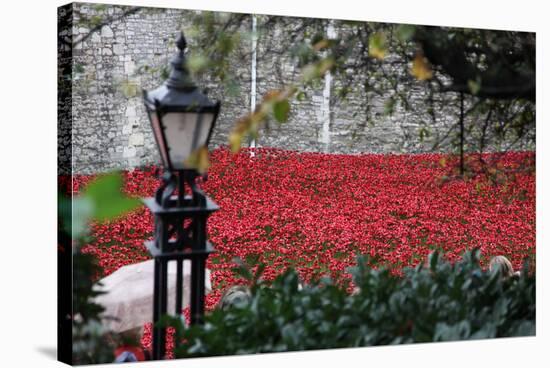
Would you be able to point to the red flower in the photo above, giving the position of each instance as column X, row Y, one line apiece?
column 315, row 211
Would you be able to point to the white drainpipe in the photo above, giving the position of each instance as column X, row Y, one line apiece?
column 253, row 75
column 325, row 106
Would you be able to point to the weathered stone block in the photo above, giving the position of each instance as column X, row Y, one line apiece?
column 129, row 152
column 118, row 49
column 130, row 111
column 106, row 31
column 129, row 67
column 136, row 139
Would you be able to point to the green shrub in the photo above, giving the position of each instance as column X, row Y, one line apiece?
column 443, row 302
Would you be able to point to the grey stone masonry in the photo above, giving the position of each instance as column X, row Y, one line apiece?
column 108, row 125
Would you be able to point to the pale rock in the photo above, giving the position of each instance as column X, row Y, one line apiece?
column 96, row 38
column 130, row 111
column 106, row 31
column 129, row 67
column 129, row 152
column 118, row 49
column 136, row 139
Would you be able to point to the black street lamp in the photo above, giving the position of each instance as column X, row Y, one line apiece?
column 181, row 116
column 182, row 119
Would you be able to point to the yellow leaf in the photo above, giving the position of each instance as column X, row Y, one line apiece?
column 197, row 63
column 325, row 65
column 199, row 160
column 309, row 72
column 235, row 141
column 315, row 70
column 474, row 86
column 323, row 44
column 421, row 68
column 129, row 88
column 249, row 125
column 273, row 94
column 377, row 45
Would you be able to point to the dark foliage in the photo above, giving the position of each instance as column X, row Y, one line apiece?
column 442, row 302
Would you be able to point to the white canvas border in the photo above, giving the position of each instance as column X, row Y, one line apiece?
column 28, row 144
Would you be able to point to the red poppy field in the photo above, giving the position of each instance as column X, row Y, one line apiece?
column 315, row 212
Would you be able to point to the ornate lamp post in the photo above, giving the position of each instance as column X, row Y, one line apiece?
column 182, row 119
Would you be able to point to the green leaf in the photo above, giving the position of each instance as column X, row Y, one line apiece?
column 106, row 198
column 405, row 32
column 164, row 72
column 96, row 20
column 129, row 88
column 310, row 72
column 259, row 271
column 197, row 63
column 82, row 213
column 243, row 272
column 434, row 259
column 78, row 68
column 242, row 269
column 474, row 86
column 232, row 87
column 100, row 7
column 281, row 110
column 377, row 45
column 268, row 229
column 525, row 328
column 252, row 259
column 389, row 106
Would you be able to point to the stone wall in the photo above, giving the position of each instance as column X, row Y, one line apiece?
column 110, row 67
column 110, row 129
column 64, row 90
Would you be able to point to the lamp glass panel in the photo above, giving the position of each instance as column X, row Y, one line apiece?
column 206, row 125
column 182, row 135
column 153, row 117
